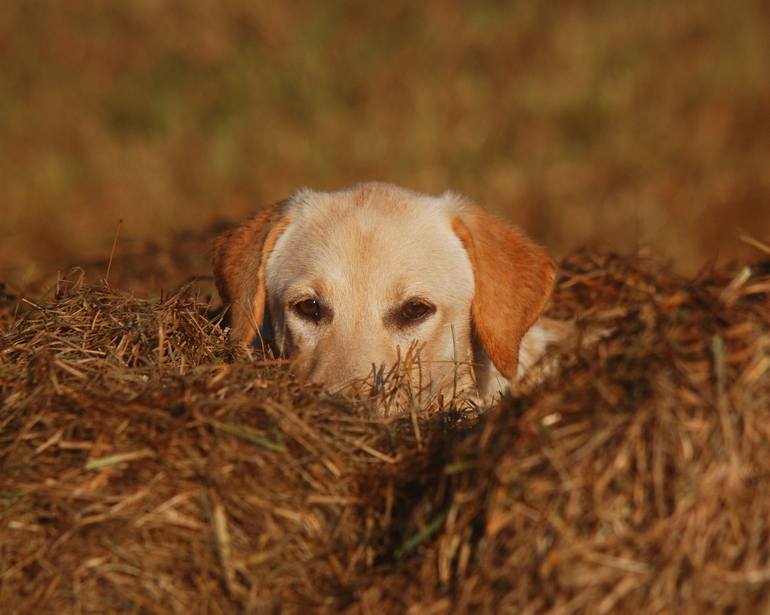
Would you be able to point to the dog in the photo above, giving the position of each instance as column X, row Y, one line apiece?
column 345, row 283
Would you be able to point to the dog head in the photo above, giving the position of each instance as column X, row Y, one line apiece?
column 354, row 279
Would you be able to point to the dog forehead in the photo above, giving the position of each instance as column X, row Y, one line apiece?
column 369, row 207
column 374, row 233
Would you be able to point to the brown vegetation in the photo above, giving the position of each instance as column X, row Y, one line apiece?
column 148, row 465
column 623, row 122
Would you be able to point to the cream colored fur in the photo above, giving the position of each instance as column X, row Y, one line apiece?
column 365, row 251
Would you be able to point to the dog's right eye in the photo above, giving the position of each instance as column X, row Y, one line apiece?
column 308, row 309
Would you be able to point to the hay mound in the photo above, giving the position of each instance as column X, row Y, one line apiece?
column 146, row 464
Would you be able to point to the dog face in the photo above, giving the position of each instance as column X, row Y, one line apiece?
column 358, row 278
column 355, row 280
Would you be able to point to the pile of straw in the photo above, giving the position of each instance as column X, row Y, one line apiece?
column 149, row 465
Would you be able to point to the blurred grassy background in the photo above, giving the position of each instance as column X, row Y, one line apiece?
column 619, row 123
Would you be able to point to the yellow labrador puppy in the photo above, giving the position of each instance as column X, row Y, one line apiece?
column 342, row 282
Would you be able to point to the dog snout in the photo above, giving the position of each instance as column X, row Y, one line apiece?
column 350, row 377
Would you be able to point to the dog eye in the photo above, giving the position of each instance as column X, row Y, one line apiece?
column 309, row 309
column 414, row 310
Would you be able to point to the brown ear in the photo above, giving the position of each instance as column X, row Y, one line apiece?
column 240, row 257
column 514, row 278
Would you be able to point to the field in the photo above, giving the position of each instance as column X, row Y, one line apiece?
column 148, row 465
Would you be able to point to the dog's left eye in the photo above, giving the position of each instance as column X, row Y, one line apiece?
column 414, row 310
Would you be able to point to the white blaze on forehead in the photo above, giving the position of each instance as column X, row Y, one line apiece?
column 369, row 247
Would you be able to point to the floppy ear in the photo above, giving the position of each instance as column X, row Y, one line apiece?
column 240, row 257
column 514, row 278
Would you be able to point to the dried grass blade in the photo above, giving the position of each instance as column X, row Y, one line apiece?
column 412, row 543
column 247, row 434
column 111, row 460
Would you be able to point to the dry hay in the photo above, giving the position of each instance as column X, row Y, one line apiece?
column 147, row 465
